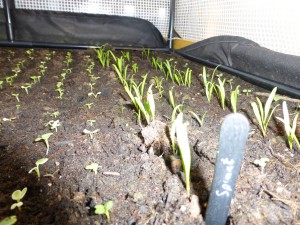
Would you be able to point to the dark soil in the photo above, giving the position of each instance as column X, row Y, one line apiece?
column 138, row 177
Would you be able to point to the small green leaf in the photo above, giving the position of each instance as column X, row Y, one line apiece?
column 99, row 209
column 93, row 167
column 18, row 194
column 15, row 205
column 9, row 220
column 41, row 161
column 108, row 205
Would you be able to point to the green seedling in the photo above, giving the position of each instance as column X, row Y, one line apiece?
column 208, row 85
column 89, row 105
column 51, row 174
column 9, row 220
column 126, row 55
column 146, row 52
column 17, row 196
column 91, row 84
column 1, row 84
column 159, row 86
column 247, row 91
column 93, row 167
column 53, row 124
column 59, row 84
column 95, row 95
column 26, row 87
column 104, row 209
column 187, row 77
column 9, row 80
column 220, row 91
column 234, row 98
column 184, row 148
column 200, row 121
column 86, row 131
column 91, row 122
column 36, row 79
column 261, row 163
column 229, row 81
column 103, row 56
column 54, row 114
column 289, row 130
column 29, row 53
column 263, row 114
column 16, row 96
column 121, row 69
column 45, row 138
column 135, row 67
column 171, row 98
column 36, row 168
column 63, row 76
column 60, row 92
column 173, row 127
column 18, row 106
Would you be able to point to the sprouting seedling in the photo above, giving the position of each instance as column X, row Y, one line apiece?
column 187, row 77
column 60, row 92
column 1, row 84
column 18, row 106
column 261, row 163
column 126, row 55
column 289, row 130
column 135, row 67
column 158, row 85
column 234, row 98
column 200, row 121
column 247, row 91
column 220, row 90
column 146, row 52
column 93, row 167
column 26, row 86
column 36, row 168
column 208, row 85
column 45, row 138
column 54, row 114
column 91, row 84
column 9, row 220
column 16, row 95
column 173, row 127
column 17, row 196
column 51, row 174
column 94, row 94
column 171, row 97
column 263, row 114
column 104, row 209
column 53, row 124
column 91, row 122
column 89, row 132
column 35, row 79
column 229, row 81
column 184, row 148
column 89, row 105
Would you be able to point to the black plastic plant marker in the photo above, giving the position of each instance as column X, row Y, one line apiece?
column 233, row 137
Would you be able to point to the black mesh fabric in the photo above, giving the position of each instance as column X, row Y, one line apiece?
column 247, row 56
column 84, row 29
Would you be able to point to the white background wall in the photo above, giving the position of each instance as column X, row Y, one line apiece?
column 274, row 24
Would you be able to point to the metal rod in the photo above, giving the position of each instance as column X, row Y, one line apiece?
column 252, row 78
column 26, row 44
column 171, row 23
column 9, row 29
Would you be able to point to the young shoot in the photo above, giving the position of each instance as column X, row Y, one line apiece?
column 36, row 79
column 45, row 138
column 36, row 168
column 26, row 87
column 91, row 122
column 171, row 98
column 53, row 124
column 234, row 98
column 247, row 91
column 104, row 209
column 1, row 84
column 89, row 132
column 261, row 163
column 184, row 149
column 9, row 220
column 173, row 127
column 135, row 67
column 209, row 86
column 220, row 90
column 16, row 95
column 263, row 114
column 188, row 77
column 200, row 121
column 55, row 114
column 89, row 105
column 93, row 167
column 17, row 196
column 159, row 86
column 289, row 130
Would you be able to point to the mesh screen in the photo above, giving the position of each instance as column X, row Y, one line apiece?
column 273, row 24
column 155, row 11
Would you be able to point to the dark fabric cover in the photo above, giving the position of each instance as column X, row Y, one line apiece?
column 84, row 29
column 2, row 26
column 247, row 56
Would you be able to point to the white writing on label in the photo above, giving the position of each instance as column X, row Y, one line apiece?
column 226, row 188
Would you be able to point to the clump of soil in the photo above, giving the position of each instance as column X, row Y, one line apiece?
column 135, row 170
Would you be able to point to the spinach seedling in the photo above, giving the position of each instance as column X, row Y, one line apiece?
column 89, row 105
column 247, row 91
column 261, row 163
column 104, row 209
column 9, row 220
column 36, row 168
column 93, row 167
column 45, row 138
column 86, row 131
column 16, row 95
column 26, row 86
column 234, row 98
column 54, row 114
column 17, row 196
column 53, row 124
column 200, row 121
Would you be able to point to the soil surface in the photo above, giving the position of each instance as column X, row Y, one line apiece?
column 136, row 171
